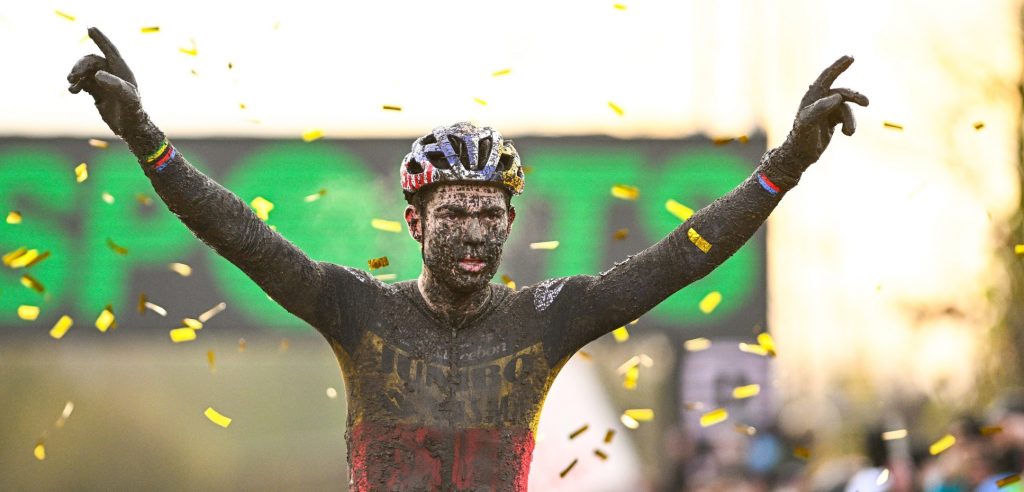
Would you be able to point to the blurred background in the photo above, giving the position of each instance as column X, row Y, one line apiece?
column 890, row 280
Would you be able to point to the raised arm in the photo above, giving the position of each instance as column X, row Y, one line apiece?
column 214, row 214
column 602, row 303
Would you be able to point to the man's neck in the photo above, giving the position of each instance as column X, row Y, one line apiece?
column 455, row 307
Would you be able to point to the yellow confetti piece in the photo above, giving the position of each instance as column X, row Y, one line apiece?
column 600, row 454
column 179, row 335
column 150, row 29
column 625, row 192
column 156, row 309
column 388, row 107
column 1010, row 480
column 117, row 249
column 143, row 199
column 753, row 349
column 508, row 281
column 564, row 472
column 619, row 6
column 978, row 125
column 631, row 377
column 386, row 277
column 315, row 196
column 713, row 417
column 61, row 327
column 107, row 197
column 65, row 15
column 332, row 393
column 743, row 139
column 766, row 342
column 262, row 206
column 608, row 435
column 215, row 310
column 802, row 453
column 988, row 430
column 34, row 261
column 1018, row 249
column 499, row 73
column 14, row 217
column 744, row 429
column 628, row 422
column 678, row 209
column 386, row 225
column 99, row 144
column 181, row 269
column 894, row 434
column 193, row 51
column 640, row 414
column 23, row 259
column 105, row 320
column 750, row 390
column 81, row 172
column 697, row 344
column 615, row 107
column 28, row 313
column 11, row 256
column 39, row 451
column 629, row 364
column 479, row 101
column 941, row 445
column 217, row 418
column 378, row 262
column 621, row 334
column 544, row 245
column 579, row 431
column 698, row 241
column 68, row 408
column 710, row 302
column 192, row 323
column 620, row 234
column 31, row 283
column 722, row 140
column 893, row 126
column 311, row 135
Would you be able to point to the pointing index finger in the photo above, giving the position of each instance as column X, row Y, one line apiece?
column 114, row 60
column 831, row 73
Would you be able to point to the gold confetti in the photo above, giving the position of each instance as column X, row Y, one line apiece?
column 619, row 6
column 23, row 259
column 894, row 434
column 893, row 126
column 143, row 199
column 621, row 234
column 741, row 392
column 584, row 355
column 479, row 101
column 1018, row 249
column 217, row 418
column 988, row 430
column 9, row 258
column 615, row 107
column 508, row 281
column 181, row 269
column 215, row 310
column 743, row 139
column 193, row 51
column 631, row 377
column 722, row 140
column 179, row 335
column 105, row 320
column 941, row 445
column 678, row 209
column 387, row 107
column 566, row 470
column 386, row 277
column 32, row 283
column 150, row 29
column 386, row 225
column 40, row 450
column 99, row 144
column 283, row 346
column 332, row 393
column 241, row 105
column 544, row 245
column 625, row 192
column 499, row 73
column 629, row 364
column 697, row 344
column 753, row 349
column 14, row 217
column 262, row 206
column 378, row 262
column 600, row 454
column 28, row 313
column 61, row 327
column 745, row 429
column 211, row 359
column 608, row 435
column 802, row 453
column 621, row 334
column 698, row 241
column 315, row 196
column 81, row 172
column 192, row 323
column 241, row 345
column 978, row 125
column 640, row 414
column 117, row 249
column 68, row 408
column 1012, row 479
column 710, row 302
column 68, row 17
column 311, row 135
column 628, row 422
column 34, row 261
column 713, row 417
column 107, row 197
column 767, row 343
column 156, row 309
column 579, row 431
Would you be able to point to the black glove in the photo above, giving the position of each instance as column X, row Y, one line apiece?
column 111, row 84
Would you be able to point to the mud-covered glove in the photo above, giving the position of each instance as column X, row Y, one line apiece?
column 111, row 84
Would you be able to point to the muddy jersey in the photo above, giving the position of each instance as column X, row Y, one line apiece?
column 438, row 407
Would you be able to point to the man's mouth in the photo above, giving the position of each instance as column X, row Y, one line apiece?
column 471, row 264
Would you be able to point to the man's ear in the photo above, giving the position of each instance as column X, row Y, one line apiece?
column 413, row 220
column 511, row 218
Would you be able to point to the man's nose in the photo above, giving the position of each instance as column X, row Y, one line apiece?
column 474, row 231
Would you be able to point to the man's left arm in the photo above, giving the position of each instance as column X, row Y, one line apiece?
column 714, row 233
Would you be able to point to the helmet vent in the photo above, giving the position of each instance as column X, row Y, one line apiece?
column 485, row 152
column 438, row 160
column 413, row 167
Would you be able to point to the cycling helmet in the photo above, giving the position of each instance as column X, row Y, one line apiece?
column 462, row 152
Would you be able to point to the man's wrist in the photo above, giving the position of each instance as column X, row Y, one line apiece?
column 778, row 171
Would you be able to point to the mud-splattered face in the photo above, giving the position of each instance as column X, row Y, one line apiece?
column 462, row 234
